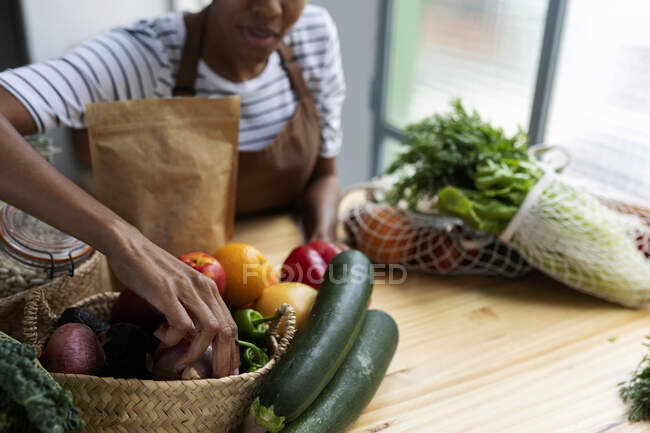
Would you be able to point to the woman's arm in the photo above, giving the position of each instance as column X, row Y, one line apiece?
column 321, row 202
column 188, row 299
column 321, row 197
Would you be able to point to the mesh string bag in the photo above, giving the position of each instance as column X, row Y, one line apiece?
column 594, row 244
column 634, row 213
column 587, row 236
column 429, row 243
column 637, row 227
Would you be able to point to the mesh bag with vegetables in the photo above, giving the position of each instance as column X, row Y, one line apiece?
column 434, row 244
column 486, row 178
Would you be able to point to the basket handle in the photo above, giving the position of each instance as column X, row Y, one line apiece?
column 287, row 312
column 370, row 188
column 96, row 299
column 35, row 302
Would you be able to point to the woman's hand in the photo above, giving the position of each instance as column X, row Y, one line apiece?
column 189, row 300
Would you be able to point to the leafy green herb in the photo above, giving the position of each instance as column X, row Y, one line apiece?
column 30, row 400
column 479, row 173
column 636, row 391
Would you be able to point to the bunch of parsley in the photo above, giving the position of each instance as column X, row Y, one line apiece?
column 478, row 172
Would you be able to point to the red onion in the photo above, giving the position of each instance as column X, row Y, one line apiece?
column 73, row 348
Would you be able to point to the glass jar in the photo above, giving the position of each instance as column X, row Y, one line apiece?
column 32, row 252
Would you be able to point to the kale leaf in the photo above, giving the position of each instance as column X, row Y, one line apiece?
column 30, row 400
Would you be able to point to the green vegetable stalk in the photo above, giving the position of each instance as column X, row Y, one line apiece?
column 251, row 357
column 266, row 418
column 30, row 400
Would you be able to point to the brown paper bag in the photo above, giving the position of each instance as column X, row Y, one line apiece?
column 168, row 167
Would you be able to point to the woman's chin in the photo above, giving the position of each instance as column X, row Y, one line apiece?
column 253, row 49
column 256, row 54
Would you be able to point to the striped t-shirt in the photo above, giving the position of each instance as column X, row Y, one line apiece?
column 142, row 61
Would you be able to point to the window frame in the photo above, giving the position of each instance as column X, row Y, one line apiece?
column 546, row 69
column 12, row 34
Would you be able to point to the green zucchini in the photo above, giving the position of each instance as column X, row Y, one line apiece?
column 344, row 398
column 320, row 347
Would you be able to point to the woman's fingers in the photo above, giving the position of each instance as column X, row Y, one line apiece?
column 225, row 357
column 213, row 324
column 222, row 354
column 234, row 356
column 209, row 293
column 207, row 327
column 199, row 345
column 178, row 324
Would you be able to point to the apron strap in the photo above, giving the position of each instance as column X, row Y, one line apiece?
column 294, row 71
column 194, row 25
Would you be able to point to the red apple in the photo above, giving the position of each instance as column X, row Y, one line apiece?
column 209, row 266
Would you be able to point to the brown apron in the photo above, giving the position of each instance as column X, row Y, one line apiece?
column 275, row 176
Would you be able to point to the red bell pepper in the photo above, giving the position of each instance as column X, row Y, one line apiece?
column 307, row 264
column 326, row 250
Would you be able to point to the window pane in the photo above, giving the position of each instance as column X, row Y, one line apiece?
column 601, row 101
column 391, row 148
column 484, row 51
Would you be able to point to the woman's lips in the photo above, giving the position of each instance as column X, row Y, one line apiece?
column 258, row 37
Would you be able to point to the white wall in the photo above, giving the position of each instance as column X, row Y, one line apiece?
column 358, row 23
column 53, row 26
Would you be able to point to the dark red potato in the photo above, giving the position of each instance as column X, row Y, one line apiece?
column 131, row 308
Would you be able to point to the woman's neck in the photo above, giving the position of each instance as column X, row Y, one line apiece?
column 220, row 57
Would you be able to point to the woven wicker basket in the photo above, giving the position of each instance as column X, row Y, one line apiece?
column 48, row 300
column 133, row 405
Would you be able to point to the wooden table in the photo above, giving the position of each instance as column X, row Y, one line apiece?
column 487, row 354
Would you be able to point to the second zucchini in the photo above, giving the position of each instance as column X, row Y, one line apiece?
column 319, row 349
column 346, row 396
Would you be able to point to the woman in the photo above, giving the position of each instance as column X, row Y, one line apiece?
column 282, row 58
